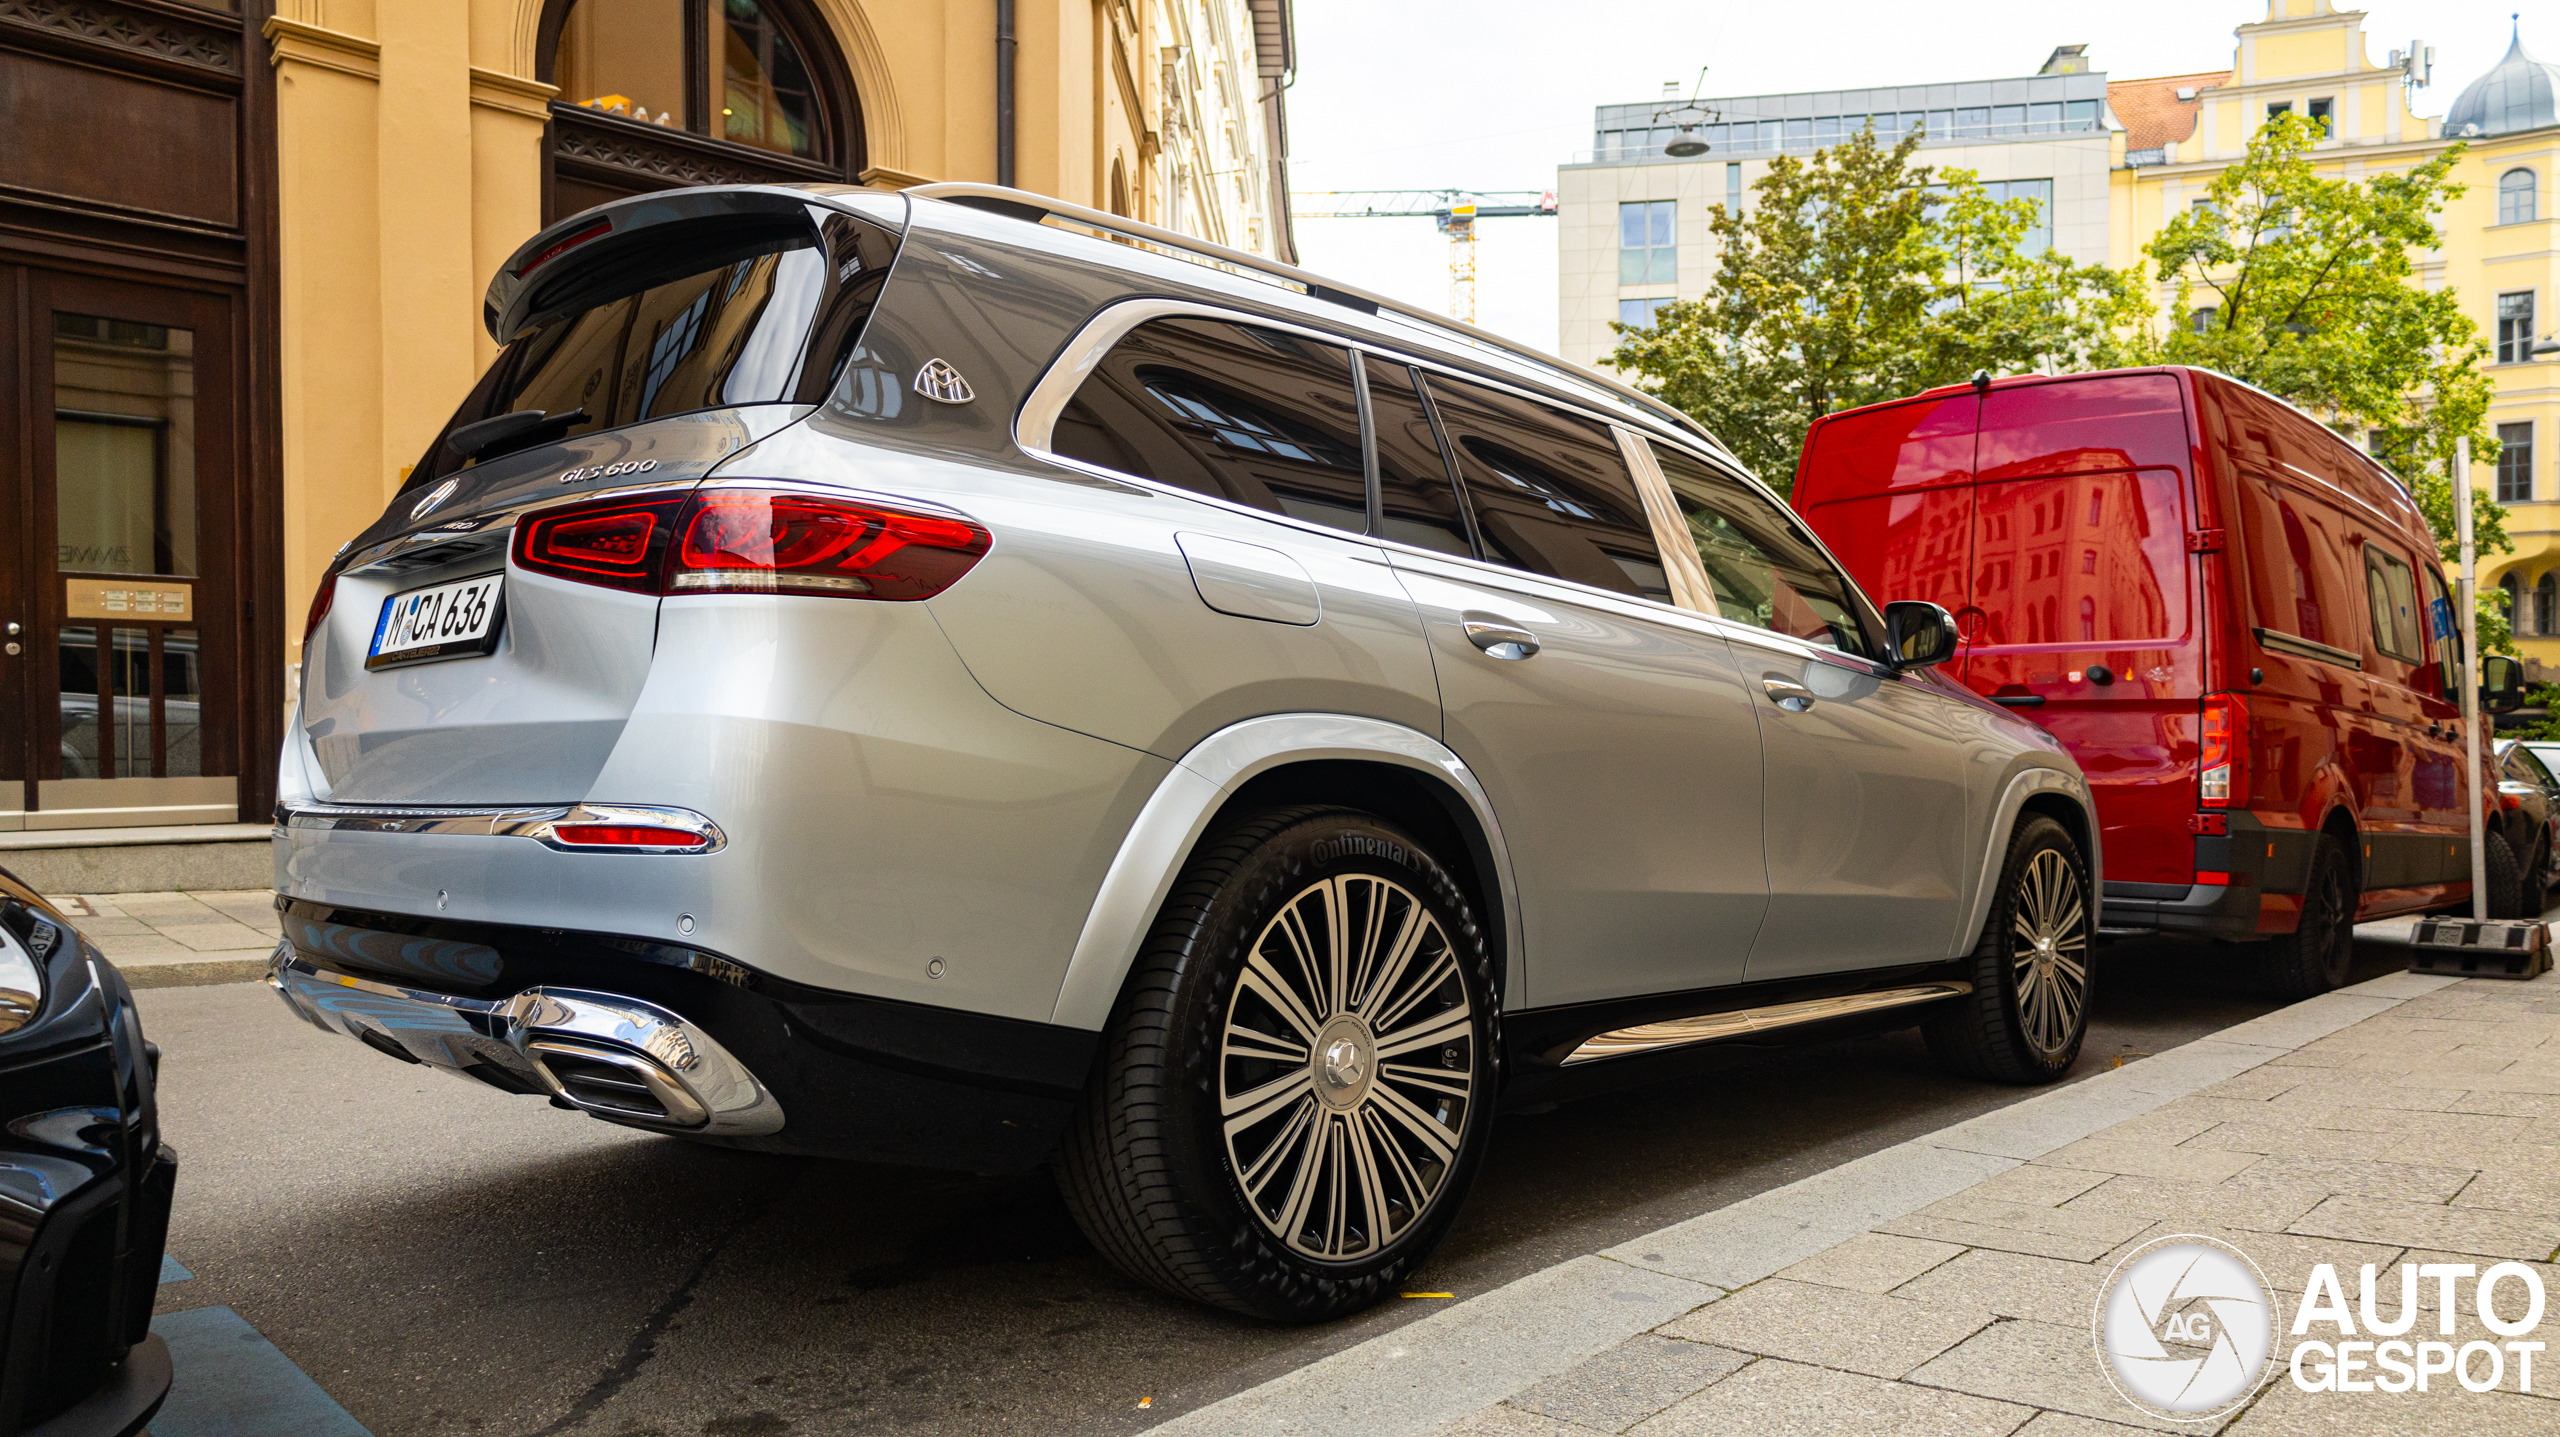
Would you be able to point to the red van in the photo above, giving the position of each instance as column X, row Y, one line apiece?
column 2233, row 618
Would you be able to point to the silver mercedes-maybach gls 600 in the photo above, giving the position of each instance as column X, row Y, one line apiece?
column 954, row 678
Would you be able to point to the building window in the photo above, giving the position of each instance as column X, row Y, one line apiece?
column 2515, row 197
column 1638, row 313
column 2513, row 588
column 1733, row 189
column 2515, row 463
column 2202, row 320
column 2322, row 112
column 1648, row 253
column 2039, row 236
column 2515, row 327
column 2083, row 115
column 2279, row 107
column 2546, row 603
column 632, row 58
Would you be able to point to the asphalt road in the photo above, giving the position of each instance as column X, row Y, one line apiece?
column 444, row 1258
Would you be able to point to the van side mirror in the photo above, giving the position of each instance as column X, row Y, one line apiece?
column 2501, row 684
column 1919, row 634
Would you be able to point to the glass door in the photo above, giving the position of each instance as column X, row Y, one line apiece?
column 130, row 723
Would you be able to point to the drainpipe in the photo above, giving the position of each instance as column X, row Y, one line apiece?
column 1004, row 93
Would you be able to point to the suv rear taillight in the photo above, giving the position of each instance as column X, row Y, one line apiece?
column 321, row 599
column 2223, row 766
column 752, row 541
column 619, row 543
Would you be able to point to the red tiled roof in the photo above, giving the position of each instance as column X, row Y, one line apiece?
column 2151, row 112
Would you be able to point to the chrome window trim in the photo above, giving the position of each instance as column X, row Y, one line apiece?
column 538, row 822
column 1035, row 427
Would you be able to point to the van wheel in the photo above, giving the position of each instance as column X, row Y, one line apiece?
column 2316, row 956
column 1294, row 1092
column 2506, row 881
column 2537, row 880
column 2032, row 972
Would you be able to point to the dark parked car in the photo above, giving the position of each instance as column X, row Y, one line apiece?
column 2529, row 801
column 84, row 1185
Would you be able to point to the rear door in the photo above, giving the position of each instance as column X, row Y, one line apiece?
column 2399, row 750
column 1622, row 753
column 2084, row 598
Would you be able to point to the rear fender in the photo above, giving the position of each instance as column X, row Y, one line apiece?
column 1171, row 824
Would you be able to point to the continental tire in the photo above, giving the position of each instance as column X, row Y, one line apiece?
column 2032, row 972
column 1294, row 1092
column 2316, row 956
column 2506, row 879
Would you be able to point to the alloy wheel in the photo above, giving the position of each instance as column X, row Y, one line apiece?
column 1347, row 1067
column 2051, row 954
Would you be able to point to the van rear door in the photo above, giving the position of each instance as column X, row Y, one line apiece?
column 1890, row 489
column 2084, row 608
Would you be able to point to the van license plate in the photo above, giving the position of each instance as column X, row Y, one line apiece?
column 456, row 620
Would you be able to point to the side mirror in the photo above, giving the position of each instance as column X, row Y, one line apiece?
column 2501, row 684
column 1919, row 634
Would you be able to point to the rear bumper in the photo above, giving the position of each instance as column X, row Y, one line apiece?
column 783, row 1066
column 2267, row 869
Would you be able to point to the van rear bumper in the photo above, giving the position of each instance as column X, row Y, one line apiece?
column 2267, row 869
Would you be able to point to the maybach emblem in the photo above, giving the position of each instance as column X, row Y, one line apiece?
column 940, row 382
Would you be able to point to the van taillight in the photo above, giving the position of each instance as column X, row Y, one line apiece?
column 761, row 542
column 752, row 541
column 614, row 542
column 2223, row 766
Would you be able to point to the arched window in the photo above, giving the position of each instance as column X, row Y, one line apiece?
column 2515, row 197
column 656, row 94
column 2514, row 590
column 2546, row 604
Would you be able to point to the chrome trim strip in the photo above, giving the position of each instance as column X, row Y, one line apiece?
column 538, row 822
column 701, row 1085
column 2302, row 648
column 1708, row 1027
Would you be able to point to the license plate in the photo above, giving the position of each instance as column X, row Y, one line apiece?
column 454, row 620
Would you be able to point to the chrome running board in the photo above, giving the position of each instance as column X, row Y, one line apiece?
column 1708, row 1027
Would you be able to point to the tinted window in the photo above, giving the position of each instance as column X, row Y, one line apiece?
column 2293, row 553
column 734, row 334
column 2443, row 673
column 1233, row 411
column 2534, row 770
column 1418, row 504
column 1764, row 570
column 2391, row 592
column 1550, row 490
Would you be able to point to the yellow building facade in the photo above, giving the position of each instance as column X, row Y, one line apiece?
column 2501, row 241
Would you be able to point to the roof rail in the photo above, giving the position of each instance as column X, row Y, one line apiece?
column 1023, row 205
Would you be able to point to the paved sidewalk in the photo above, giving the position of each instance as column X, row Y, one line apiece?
column 162, row 940
column 2427, row 1133
column 1949, row 1285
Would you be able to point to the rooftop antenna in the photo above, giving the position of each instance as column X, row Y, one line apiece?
column 1687, row 145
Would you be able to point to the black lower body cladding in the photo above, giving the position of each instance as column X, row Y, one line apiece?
column 856, row 1077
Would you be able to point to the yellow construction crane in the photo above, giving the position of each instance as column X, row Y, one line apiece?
column 1456, row 212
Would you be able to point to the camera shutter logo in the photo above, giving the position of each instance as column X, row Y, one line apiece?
column 939, row 382
column 2184, row 1328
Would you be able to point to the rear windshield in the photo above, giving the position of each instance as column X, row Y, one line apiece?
column 759, row 317
column 723, row 336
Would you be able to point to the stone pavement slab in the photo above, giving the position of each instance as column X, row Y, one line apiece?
column 179, row 939
column 1630, row 1382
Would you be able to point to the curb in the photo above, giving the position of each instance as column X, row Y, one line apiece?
column 1406, row 1382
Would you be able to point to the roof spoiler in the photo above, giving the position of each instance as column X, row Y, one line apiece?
column 526, row 289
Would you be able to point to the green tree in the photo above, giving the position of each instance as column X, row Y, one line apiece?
column 2303, row 286
column 1852, row 278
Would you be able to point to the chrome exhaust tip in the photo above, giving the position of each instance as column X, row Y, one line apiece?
column 609, row 1056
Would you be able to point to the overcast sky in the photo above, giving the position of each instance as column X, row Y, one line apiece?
column 1494, row 94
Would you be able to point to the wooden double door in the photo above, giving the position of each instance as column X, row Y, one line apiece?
column 121, row 563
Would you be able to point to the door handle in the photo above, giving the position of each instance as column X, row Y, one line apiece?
column 1787, row 694
column 1499, row 639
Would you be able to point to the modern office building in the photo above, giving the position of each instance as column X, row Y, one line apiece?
column 1633, row 218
